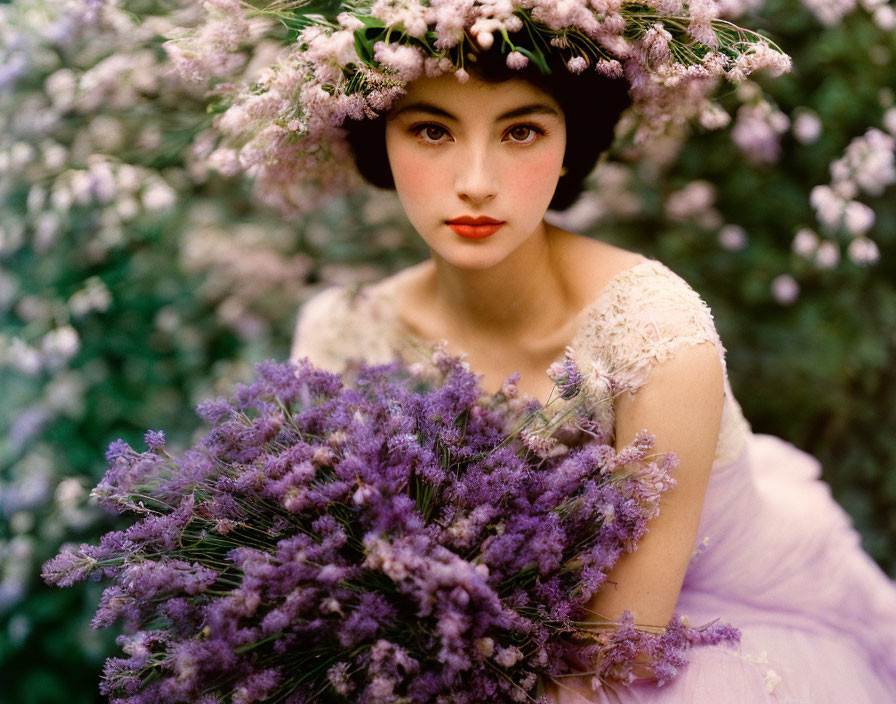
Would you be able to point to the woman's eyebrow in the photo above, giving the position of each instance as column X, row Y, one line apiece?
column 429, row 108
column 535, row 108
column 424, row 107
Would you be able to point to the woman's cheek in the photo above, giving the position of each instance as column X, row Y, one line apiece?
column 414, row 177
column 534, row 182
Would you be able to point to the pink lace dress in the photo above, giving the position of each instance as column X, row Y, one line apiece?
column 780, row 559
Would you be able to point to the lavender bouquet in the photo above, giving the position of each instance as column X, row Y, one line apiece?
column 373, row 538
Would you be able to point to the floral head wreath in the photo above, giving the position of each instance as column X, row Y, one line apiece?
column 352, row 60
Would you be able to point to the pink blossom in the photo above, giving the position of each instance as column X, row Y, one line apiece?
column 863, row 251
column 785, row 289
column 829, row 205
column 885, row 17
column 805, row 243
column 405, row 61
column 577, row 64
column 449, row 18
column 869, row 162
column 349, row 21
column 807, row 126
column 411, row 15
column 656, row 44
column 889, row 121
column 757, row 130
column 690, row 201
column 516, row 60
column 857, row 218
column 712, row 116
column 733, row 238
column 703, row 11
column 828, row 255
column 830, row 12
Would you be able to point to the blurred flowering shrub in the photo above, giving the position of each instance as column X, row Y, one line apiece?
column 785, row 220
column 135, row 280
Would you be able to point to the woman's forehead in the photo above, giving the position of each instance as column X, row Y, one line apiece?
column 474, row 98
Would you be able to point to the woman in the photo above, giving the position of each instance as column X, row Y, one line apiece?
column 477, row 154
column 476, row 165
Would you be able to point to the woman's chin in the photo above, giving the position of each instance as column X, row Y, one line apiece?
column 478, row 259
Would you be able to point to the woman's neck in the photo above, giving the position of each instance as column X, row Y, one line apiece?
column 524, row 296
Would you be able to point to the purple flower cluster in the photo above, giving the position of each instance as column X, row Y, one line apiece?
column 370, row 539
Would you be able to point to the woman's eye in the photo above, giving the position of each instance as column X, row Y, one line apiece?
column 431, row 134
column 522, row 134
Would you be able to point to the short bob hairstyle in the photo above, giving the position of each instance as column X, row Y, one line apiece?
column 591, row 103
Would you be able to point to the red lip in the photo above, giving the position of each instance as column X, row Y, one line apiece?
column 481, row 220
column 475, row 228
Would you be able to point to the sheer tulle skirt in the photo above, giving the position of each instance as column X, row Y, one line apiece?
column 784, row 565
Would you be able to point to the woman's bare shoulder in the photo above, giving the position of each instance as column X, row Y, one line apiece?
column 592, row 264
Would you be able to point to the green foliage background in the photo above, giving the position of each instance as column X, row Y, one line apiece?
column 180, row 326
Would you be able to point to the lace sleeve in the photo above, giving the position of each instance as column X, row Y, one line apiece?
column 317, row 329
column 339, row 324
column 644, row 316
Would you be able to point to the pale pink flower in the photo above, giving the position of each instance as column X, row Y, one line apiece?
column 483, row 31
column 757, row 57
column 667, row 7
column 577, row 64
column 830, row 12
column 507, row 657
column 405, row 61
column 735, row 8
column 863, row 251
column 857, row 218
column 869, row 162
column 411, row 15
column 889, row 121
column 349, row 21
column 704, row 33
column 712, row 116
column 558, row 14
column 703, row 10
column 691, row 201
column 828, row 255
column 609, row 68
column 829, row 205
column 805, row 243
column 449, row 18
column 785, row 289
column 656, row 44
column 757, row 129
column 516, row 60
column 885, row 17
column 807, row 126
column 226, row 161
column 733, row 238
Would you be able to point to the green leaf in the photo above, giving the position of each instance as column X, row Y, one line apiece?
column 535, row 57
column 364, row 46
column 328, row 9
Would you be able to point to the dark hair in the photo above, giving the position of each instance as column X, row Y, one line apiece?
column 591, row 102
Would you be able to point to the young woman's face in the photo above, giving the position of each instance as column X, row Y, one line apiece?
column 464, row 154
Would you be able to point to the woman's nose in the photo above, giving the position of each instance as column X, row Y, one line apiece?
column 477, row 178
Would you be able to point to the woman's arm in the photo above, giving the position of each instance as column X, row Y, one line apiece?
column 681, row 405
